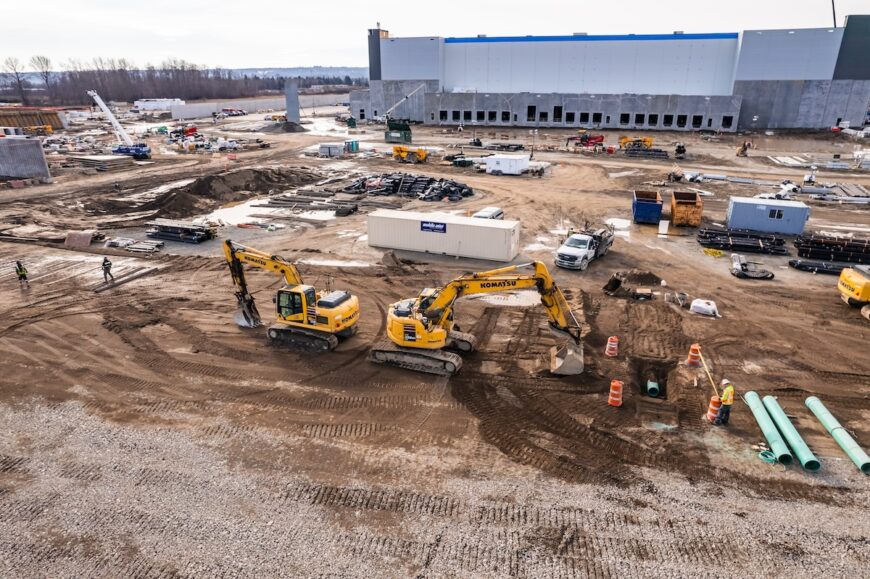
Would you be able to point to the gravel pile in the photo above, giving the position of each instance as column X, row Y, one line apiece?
column 80, row 496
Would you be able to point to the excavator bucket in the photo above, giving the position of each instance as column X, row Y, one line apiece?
column 567, row 360
column 613, row 284
column 247, row 315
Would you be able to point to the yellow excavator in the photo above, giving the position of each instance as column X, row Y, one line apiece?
column 305, row 317
column 854, row 286
column 422, row 329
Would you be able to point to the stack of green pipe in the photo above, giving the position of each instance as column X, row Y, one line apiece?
column 768, row 428
column 846, row 442
column 790, row 433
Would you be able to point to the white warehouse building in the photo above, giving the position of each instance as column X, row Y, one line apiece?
column 805, row 78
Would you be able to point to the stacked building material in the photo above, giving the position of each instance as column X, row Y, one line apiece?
column 184, row 231
column 646, row 153
column 827, row 248
column 817, row 266
column 742, row 241
column 413, row 186
column 106, row 162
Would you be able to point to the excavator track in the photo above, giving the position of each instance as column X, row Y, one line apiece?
column 420, row 360
column 462, row 342
column 301, row 339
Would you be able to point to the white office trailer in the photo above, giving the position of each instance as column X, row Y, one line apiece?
column 507, row 164
column 444, row 234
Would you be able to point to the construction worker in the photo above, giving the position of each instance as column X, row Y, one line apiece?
column 107, row 270
column 727, row 399
column 21, row 272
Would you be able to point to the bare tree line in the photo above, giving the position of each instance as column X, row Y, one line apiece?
column 120, row 80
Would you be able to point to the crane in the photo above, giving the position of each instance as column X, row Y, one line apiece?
column 421, row 329
column 403, row 99
column 305, row 317
column 126, row 146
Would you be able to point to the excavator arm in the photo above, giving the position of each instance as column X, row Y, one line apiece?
column 421, row 330
column 438, row 307
column 237, row 255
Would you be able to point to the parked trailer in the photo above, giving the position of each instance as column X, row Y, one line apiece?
column 686, row 208
column 647, row 207
column 444, row 234
column 507, row 164
column 768, row 215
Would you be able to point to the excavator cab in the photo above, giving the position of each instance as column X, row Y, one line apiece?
column 297, row 304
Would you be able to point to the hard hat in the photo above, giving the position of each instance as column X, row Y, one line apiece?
column 725, row 382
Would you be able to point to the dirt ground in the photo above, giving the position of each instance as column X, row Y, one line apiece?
column 144, row 434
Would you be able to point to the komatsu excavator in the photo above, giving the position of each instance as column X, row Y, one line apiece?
column 421, row 329
column 305, row 318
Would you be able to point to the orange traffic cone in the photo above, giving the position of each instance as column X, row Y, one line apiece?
column 713, row 409
column 615, row 398
column 612, row 349
column 694, row 358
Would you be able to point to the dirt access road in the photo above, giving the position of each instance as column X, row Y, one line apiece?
column 143, row 434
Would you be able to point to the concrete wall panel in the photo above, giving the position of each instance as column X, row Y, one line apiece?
column 805, row 54
column 410, row 58
column 609, row 106
column 667, row 65
column 23, row 159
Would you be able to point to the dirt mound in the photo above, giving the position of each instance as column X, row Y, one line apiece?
column 225, row 187
column 288, row 127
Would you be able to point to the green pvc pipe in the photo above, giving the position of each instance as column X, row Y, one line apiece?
column 836, row 430
column 768, row 429
column 807, row 459
column 652, row 388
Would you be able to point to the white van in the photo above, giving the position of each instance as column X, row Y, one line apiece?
column 489, row 213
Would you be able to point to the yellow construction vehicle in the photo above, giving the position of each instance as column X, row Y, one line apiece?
column 39, row 130
column 636, row 142
column 305, row 317
column 421, row 329
column 410, row 155
column 854, row 286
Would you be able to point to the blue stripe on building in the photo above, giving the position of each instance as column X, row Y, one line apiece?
column 593, row 38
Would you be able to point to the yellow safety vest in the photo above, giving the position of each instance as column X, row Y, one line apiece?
column 728, row 395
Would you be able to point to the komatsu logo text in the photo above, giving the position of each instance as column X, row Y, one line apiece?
column 491, row 284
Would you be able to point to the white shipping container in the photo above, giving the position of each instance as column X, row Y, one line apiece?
column 507, row 164
column 444, row 234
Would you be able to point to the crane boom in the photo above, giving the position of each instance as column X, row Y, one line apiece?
column 403, row 99
column 122, row 135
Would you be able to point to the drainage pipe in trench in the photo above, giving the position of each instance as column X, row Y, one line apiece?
column 836, row 430
column 768, row 428
column 807, row 459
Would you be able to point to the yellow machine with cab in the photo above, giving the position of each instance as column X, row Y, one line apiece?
column 409, row 154
column 305, row 317
column 421, row 330
column 854, row 286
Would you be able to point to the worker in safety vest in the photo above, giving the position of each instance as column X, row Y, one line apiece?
column 21, row 272
column 727, row 399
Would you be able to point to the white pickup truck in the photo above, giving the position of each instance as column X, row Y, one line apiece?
column 581, row 248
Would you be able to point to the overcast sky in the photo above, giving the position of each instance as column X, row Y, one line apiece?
column 276, row 33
